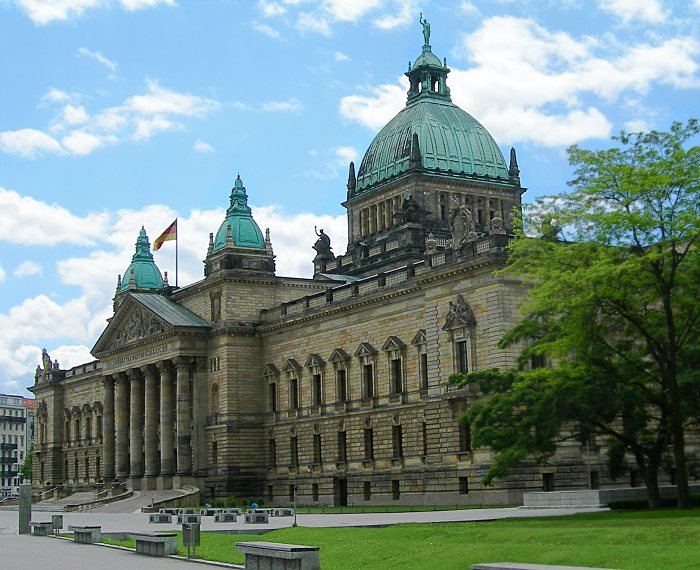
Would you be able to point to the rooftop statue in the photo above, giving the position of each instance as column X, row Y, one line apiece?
column 323, row 244
column 426, row 29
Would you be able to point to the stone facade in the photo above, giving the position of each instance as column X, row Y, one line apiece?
column 248, row 383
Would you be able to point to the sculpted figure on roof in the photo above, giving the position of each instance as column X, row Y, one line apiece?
column 426, row 29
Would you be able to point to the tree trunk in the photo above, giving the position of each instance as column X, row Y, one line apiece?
column 679, row 447
column 649, row 471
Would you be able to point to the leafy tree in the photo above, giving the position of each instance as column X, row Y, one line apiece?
column 615, row 278
column 25, row 471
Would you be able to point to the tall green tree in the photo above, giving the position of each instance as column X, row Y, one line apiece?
column 613, row 305
column 25, row 471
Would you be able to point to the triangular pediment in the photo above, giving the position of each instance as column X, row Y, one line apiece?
column 132, row 323
column 270, row 370
column 393, row 343
column 338, row 355
column 419, row 338
column 314, row 360
column 291, row 365
column 365, row 349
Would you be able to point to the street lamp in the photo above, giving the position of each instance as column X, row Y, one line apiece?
column 295, row 506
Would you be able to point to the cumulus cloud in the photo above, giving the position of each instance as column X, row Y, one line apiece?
column 269, row 31
column 42, row 12
column 649, row 11
column 271, row 9
column 344, row 11
column 292, row 105
column 340, row 56
column 58, row 225
column 528, row 83
column 28, row 143
column 313, row 22
column 97, row 56
column 2, row 274
column 346, row 154
column 27, row 268
column 202, row 147
column 139, row 118
column 402, row 14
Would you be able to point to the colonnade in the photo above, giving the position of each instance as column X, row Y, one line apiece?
column 153, row 422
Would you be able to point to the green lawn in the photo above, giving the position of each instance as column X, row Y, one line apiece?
column 627, row 540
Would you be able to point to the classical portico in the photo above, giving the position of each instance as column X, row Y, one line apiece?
column 153, row 353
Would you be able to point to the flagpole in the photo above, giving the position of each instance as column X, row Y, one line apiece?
column 176, row 252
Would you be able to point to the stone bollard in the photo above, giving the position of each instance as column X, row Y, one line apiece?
column 25, row 508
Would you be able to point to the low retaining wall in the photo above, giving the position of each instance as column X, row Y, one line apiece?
column 594, row 497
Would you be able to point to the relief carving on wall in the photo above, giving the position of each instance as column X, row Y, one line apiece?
column 138, row 325
column 460, row 315
column 461, row 225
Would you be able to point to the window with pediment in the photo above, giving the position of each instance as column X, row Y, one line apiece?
column 367, row 355
column 316, row 365
column 421, row 347
column 340, row 361
column 395, row 350
column 271, row 374
column 460, row 325
column 293, row 371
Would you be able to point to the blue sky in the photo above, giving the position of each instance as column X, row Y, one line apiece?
column 118, row 113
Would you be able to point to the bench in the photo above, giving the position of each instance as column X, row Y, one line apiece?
column 155, row 544
column 41, row 528
column 282, row 512
column 188, row 519
column 256, row 517
column 86, row 534
column 275, row 555
column 225, row 517
column 160, row 518
column 521, row 566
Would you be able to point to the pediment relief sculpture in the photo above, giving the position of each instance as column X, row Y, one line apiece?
column 460, row 315
column 138, row 325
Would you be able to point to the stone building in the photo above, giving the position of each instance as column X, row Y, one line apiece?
column 16, row 437
column 248, row 383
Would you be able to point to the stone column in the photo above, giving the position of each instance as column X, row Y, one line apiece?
column 167, row 405
column 121, row 417
column 183, row 412
column 136, row 427
column 151, row 420
column 108, row 430
column 200, row 390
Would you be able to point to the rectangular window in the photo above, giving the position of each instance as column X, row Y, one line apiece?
column 293, row 451
column 98, row 468
column 314, row 492
column 342, row 447
column 462, row 356
column 397, row 441
column 425, row 438
column 317, row 389
column 368, row 373
column 317, row 448
column 423, row 371
column 369, row 444
column 367, row 490
column 463, row 486
column 272, row 452
column 294, row 394
column 273, row 397
column 395, row 489
column 396, row 376
column 548, row 482
column 537, row 361
column 292, row 493
column 214, row 453
column 341, row 378
column 270, row 493
column 465, row 437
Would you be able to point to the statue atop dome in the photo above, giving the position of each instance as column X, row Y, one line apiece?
column 426, row 29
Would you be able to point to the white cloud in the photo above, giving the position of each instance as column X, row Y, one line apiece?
column 42, row 12
column 74, row 114
column 292, row 105
column 271, row 9
column 132, row 5
column 267, row 30
column 377, row 108
column 340, row 56
column 28, row 143
column 202, row 147
column 404, row 14
column 313, row 22
column 27, row 269
column 468, row 7
column 344, row 11
column 139, row 118
column 346, row 154
column 528, row 83
column 28, row 221
column 2, row 274
column 80, row 143
column 97, row 56
column 650, row 11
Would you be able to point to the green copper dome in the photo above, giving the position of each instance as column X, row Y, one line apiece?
column 143, row 270
column 449, row 139
column 244, row 231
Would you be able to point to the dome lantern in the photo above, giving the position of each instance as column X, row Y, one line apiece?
column 142, row 273
column 239, row 228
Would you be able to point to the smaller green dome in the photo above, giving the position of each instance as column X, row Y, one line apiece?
column 427, row 58
column 145, row 272
column 244, row 231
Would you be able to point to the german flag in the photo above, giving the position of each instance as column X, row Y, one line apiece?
column 169, row 233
